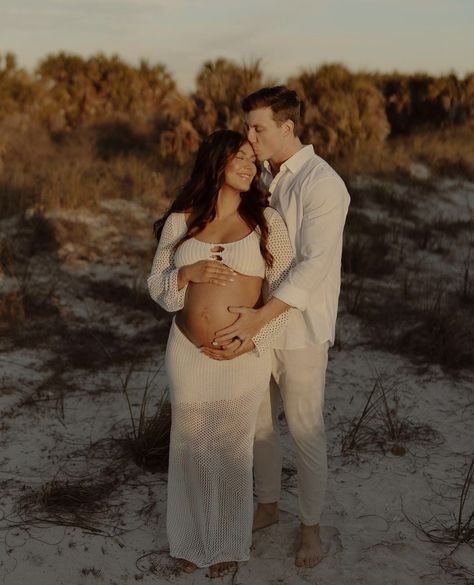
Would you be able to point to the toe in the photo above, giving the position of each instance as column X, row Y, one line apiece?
column 224, row 569
column 186, row 566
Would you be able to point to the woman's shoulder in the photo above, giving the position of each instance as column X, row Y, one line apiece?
column 175, row 224
column 182, row 217
column 177, row 218
column 271, row 214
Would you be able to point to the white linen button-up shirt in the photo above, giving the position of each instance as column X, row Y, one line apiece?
column 313, row 200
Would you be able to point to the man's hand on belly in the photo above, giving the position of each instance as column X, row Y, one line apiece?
column 231, row 351
column 250, row 321
column 247, row 326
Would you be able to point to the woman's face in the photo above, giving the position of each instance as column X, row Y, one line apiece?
column 241, row 169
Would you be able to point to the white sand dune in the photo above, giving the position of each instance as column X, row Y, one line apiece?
column 53, row 416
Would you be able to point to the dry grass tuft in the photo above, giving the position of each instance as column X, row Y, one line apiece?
column 366, row 251
column 458, row 529
column 81, row 503
column 135, row 297
column 41, row 234
column 149, row 445
column 446, row 152
column 47, row 171
column 148, row 439
column 28, row 298
column 379, row 425
column 12, row 310
column 94, row 348
column 421, row 319
column 443, row 335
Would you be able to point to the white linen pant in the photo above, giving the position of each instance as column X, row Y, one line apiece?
column 298, row 377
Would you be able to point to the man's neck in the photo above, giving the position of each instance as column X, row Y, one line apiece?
column 285, row 154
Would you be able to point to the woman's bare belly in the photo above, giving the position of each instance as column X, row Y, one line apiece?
column 206, row 306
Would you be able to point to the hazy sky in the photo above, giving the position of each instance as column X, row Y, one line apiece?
column 431, row 35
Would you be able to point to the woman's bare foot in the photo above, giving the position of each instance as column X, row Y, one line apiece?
column 221, row 569
column 265, row 515
column 186, row 566
column 309, row 548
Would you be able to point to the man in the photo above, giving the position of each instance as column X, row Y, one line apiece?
column 313, row 201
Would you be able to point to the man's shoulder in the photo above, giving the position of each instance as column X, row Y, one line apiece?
column 315, row 169
column 319, row 179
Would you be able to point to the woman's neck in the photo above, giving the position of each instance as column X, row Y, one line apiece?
column 228, row 202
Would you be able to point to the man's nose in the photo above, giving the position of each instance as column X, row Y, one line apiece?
column 251, row 135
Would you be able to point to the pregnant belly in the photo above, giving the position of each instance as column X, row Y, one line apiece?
column 206, row 307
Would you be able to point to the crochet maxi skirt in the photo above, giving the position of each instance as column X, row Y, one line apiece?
column 214, row 408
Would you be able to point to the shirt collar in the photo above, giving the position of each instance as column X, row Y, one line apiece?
column 295, row 162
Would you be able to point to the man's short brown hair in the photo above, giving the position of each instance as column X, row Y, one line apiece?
column 284, row 103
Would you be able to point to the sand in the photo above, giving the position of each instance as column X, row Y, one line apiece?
column 57, row 415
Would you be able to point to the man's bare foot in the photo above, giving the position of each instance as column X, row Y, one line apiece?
column 309, row 548
column 221, row 569
column 186, row 566
column 265, row 515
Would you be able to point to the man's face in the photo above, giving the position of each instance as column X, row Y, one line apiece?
column 264, row 134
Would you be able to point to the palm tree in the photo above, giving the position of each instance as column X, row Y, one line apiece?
column 342, row 112
column 221, row 84
column 17, row 89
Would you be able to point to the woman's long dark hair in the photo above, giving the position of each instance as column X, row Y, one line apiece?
column 199, row 194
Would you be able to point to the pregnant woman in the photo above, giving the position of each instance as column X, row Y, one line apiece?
column 219, row 245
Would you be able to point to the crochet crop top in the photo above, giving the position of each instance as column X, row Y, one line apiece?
column 242, row 255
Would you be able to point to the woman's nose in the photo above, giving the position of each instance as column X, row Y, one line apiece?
column 249, row 164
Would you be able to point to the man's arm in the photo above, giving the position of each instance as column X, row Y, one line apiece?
column 324, row 212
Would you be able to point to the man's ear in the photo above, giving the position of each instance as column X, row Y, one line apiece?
column 289, row 127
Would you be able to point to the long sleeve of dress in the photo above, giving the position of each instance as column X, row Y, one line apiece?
column 279, row 245
column 163, row 279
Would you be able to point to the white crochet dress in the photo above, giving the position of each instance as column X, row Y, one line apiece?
column 214, row 403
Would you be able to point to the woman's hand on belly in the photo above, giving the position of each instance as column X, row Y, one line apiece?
column 206, row 271
column 229, row 351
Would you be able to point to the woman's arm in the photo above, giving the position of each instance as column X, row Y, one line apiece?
column 166, row 286
column 276, row 312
